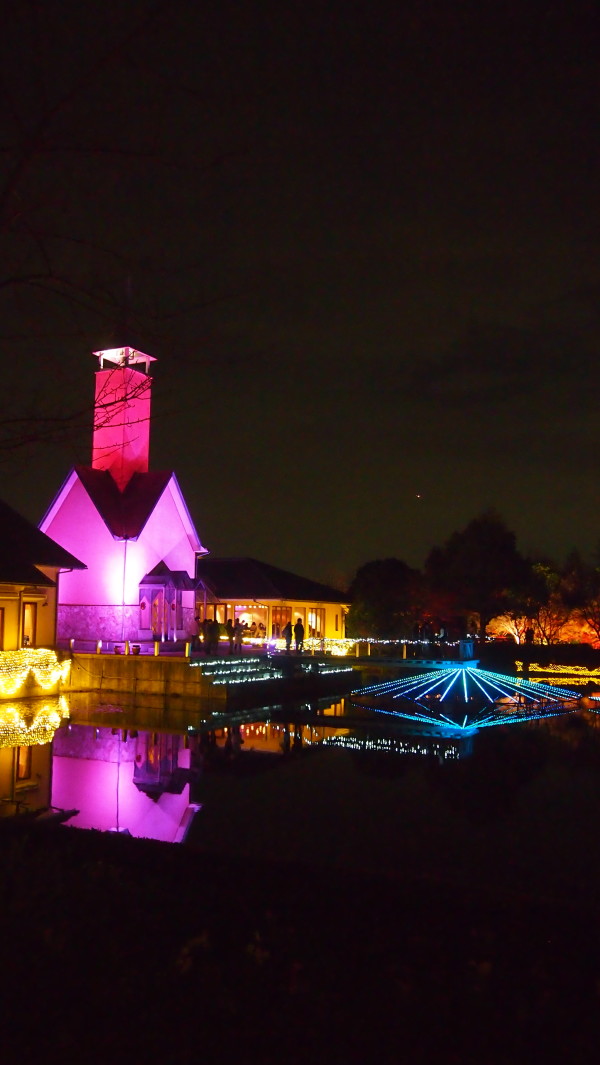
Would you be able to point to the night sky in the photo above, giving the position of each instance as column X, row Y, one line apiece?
column 360, row 239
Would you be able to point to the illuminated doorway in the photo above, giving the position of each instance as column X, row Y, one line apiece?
column 29, row 624
column 158, row 614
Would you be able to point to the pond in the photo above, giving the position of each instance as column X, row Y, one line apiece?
column 347, row 883
column 337, row 785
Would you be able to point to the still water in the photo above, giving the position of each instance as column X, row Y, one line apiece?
column 515, row 806
column 143, row 769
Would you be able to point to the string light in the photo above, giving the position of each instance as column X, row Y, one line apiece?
column 16, row 666
column 579, row 671
column 239, row 671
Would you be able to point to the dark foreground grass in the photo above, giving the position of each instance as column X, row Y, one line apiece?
column 116, row 950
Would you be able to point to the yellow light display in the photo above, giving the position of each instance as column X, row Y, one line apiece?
column 325, row 644
column 31, row 724
column 16, row 666
column 573, row 671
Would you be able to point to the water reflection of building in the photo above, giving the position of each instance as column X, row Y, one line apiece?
column 121, row 779
column 139, row 769
column 306, row 725
column 26, row 731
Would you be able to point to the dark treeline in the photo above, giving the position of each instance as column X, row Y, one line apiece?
column 475, row 578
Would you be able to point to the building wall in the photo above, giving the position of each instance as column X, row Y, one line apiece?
column 77, row 526
column 303, row 610
column 121, row 438
column 250, row 610
column 12, row 599
column 102, row 602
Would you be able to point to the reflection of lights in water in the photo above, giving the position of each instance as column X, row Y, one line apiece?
column 391, row 745
column 464, row 697
column 28, row 724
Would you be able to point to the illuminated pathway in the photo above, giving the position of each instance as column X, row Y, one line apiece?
column 464, row 697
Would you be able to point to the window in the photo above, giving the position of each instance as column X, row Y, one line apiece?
column 280, row 615
column 24, row 760
column 1, row 628
column 316, row 622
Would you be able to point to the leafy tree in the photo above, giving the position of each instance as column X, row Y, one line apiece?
column 525, row 603
column 386, row 599
column 480, row 567
column 581, row 589
column 552, row 611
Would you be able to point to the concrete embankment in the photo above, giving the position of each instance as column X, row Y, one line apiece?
column 141, row 675
column 207, row 681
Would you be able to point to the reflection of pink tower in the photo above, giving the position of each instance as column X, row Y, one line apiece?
column 121, row 436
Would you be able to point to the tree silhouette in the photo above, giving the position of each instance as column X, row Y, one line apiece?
column 386, row 599
column 480, row 567
column 71, row 140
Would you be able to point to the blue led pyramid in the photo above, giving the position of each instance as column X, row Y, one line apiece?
column 464, row 697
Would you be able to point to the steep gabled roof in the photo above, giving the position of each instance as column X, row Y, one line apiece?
column 247, row 578
column 178, row 578
column 23, row 547
column 125, row 513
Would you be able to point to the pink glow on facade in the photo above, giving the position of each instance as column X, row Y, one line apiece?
column 103, row 602
column 121, row 439
column 116, row 567
column 77, row 521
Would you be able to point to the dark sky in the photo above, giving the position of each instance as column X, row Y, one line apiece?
column 361, row 240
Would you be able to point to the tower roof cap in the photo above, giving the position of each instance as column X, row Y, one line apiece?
column 124, row 357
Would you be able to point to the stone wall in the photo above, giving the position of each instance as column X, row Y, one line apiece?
column 111, row 623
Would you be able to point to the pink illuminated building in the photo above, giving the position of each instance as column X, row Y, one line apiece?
column 129, row 525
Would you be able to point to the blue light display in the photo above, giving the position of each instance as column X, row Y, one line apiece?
column 465, row 698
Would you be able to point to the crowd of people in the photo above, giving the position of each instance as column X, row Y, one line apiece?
column 210, row 631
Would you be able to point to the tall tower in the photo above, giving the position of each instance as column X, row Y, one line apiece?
column 121, row 435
